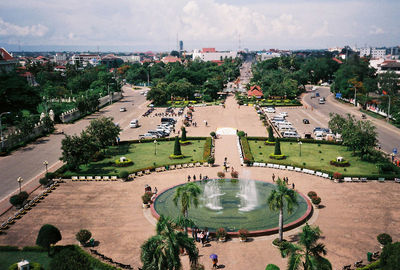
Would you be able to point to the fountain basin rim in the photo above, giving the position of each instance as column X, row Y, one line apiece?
column 289, row 226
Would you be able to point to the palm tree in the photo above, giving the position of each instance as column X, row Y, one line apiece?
column 307, row 253
column 187, row 195
column 276, row 201
column 162, row 250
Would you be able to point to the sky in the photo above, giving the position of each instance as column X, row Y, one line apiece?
column 141, row 25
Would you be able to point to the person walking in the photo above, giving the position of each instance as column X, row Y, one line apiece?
column 188, row 178
column 273, row 177
column 194, row 177
column 214, row 258
column 292, row 185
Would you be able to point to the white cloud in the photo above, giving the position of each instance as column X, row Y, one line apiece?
column 9, row 29
column 323, row 31
column 376, row 30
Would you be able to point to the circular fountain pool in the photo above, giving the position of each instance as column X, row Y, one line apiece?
column 234, row 204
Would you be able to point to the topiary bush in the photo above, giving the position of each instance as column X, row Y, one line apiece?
column 70, row 259
column 343, row 163
column 177, row 147
column 123, row 175
column 272, row 267
column 384, row 239
column 235, row 174
column 19, row 199
column 83, row 236
column 211, row 160
column 316, row 200
column 43, row 181
column 337, row 175
column 271, row 137
column 277, row 151
column 221, row 174
column 278, row 157
column 48, row 235
column 146, row 197
column 241, row 133
column 32, row 266
column 183, row 138
column 127, row 162
column 213, row 134
column 311, row 194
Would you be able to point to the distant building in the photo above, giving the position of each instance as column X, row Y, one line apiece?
column 170, row 59
column 210, row 54
column 378, row 53
column 365, row 52
column 268, row 55
column 131, row 58
column 60, row 58
column 85, row 59
column 7, row 62
column 255, row 91
column 111, row 61
column 181, row 45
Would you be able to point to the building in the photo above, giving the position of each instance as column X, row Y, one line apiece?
column 131, row 58
column 378, row 53
column 60, row 58
column 268, row 55
column 180, row 45
column 210, row 54
column 255, row 91
column 7, row 61
column 365, row 52
column 85, row 59
column 170, row 59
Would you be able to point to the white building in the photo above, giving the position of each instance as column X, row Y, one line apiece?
column 130, row 58
column 378, row 53
column 60, row 58
column 268, row 55
column 210, row 54
column 85, row 59
column 365, row 52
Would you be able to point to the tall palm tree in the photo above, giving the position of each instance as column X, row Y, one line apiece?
column 307, row 253
column 162, row 250
column 187, row 195
column 277, row 199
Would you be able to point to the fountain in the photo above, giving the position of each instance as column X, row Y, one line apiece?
column 211, row 195
column 248, row 196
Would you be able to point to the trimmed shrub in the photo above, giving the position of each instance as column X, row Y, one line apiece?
column 311, row 194
column 48, row 235
column 316, row 200
column 243, row 233
column 278, row 157
column 220, row 233
column 123, row 175
column 272, row 267
column 43, row 181
column 125, row 163
column 246, row 149
column 384, row 239
column 19, row 199
column 278, row 243
column 277, row 151
column 172, row 157
column 50, row 175
column 271, row 137
column 177, row 147
column 337, row 175
column 372, row 266
column 269, row 143
column 390, row 257
column 146, row 197
column 235, row 174
column 69, row 259
column 213, row 134
column 183, row 138
column 83, row 236
column 221, row 174
column 211, row 160
column 207, row 148
column 33, row 249
column 343, row 163
column 9, row 248
column 241, row 134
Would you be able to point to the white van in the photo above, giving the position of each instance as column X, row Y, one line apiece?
column 134, row 123
column 290, row 134
column 286, row 128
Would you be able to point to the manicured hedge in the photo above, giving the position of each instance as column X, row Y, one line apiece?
column 34, row 249
column 126, row 163
column 207, row 148
column 160, row 140
column 373, row 266
column 246, row 149
column 295, row 140
column 32, row 266
column 9, row 248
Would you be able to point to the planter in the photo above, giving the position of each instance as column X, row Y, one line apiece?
column 222, row 239
column 243, row 239
column 146, row 205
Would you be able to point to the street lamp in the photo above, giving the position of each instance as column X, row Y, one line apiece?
column 20, row 180
column 155, row 147
column 45, row 163
column 388, row 114
column 300, row 143
column 1, row 130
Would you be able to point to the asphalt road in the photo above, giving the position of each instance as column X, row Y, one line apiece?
column 388, row 135
column 27, row 162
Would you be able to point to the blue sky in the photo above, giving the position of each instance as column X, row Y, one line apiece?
column 133, row 25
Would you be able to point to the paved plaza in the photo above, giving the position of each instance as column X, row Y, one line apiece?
column 351, row 216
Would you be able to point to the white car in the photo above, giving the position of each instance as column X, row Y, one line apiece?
column 269, row 110
column 283, row 114
column 122, row 109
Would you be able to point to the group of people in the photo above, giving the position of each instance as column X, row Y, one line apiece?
column 201, row 178
column 285, row 179
column 201, row 236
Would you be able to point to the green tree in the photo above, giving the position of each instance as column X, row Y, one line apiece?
column 26, row 125
column 272, row 267
column 162, row 251
column 83, row 236
column 390, row 257
column 158, row 94
column 103, row 131
column 271, row 137
column 307, row 254
column 186, row 196
column 70, row 259
column 77, row 150
column 48, row 125
column 177, row 147
column 278, row 198
column 48, row 235
column 277, row 148
column 183, row 138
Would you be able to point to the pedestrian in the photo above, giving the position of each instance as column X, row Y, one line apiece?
column 215, row 263
column 200, row 177
column 206, row 123
column 273, row 177
column 155, row 190
column 207, row 234
column 202, row 238
column 193, row 232
column 292, row 185
column 226, row 159
column 194, row 177
column 188, row 178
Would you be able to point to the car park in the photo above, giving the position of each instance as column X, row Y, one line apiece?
column 168, row 120
column 306, row 121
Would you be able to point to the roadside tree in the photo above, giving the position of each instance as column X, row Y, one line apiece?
column 48, row 235
column 103, row 131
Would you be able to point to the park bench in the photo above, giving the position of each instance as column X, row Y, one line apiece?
column 297, row 169
column 355, row 179
column 74, row 178
column 191, row 165
column 381, row 179
column 262, row 164
column 318, row 173
column 147, row 172
column 290, row 168
column 97, row 178
column 184, row 165
column 172, row 167
column 397, row 180
column 198, row 164
column 114, row 178
column 270, row 165
column 276, row 166
column 205, row 164
column 139, row 173
column 282, row 167
column 347, row 179
column 179, row 166
column 106, row 178
column 363, row 179
column 89, row 178
column 82, row 178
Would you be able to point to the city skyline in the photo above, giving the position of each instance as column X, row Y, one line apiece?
column 227, row 25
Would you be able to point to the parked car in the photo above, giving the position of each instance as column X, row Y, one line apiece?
column 134, row 123
column 168, row 120
column 290, row 134
column 307, row 135
column 122, row 109
column 321, row 101
column 147, row 136
column 284, row 114
column 319, row 136
column 306, row 121
column 269, row 110
column 155, row 132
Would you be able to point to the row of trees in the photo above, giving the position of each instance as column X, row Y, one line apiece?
column 286, row 76
column 80, row 149
column 182, row 81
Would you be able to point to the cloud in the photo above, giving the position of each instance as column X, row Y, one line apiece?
column 9, row 29
column 323, row 31
column 376, row 30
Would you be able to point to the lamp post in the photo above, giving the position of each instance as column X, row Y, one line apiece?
column 20, row 180
column 1, row 130
column 155, row 147
column 300, row 143
column 388, row 114
column 46, row 163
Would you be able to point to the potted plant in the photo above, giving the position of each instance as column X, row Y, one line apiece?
column 384, row 239
column 316, row 200
column 243, row 234
column 221, row 234
column 221, row 174
column 146, row 198
column 235, row 174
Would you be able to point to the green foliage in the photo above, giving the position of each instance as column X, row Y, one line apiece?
column 70, row 259
column 183, row 138
column 43, row 181
column 343, row 163
column 123, row 174
column 213, row 134
column 146, row 197
column 32, row 266
column 19, row 199
column 186, row 196
column 103, row 131
column 48, row 235
column 125, row 163
column 246, row 149
column 221, row 174
column 33, row 249
column 207, row 148
column 390, row 257
column 241, row 133
column 311, row 194
column 272, row 267
column 271, row 137
column 384, row 239
column 9, row 248
column 220, row 233
column 177, row 146
column 316, row 200
column 211, row 160
column 83, row 236
column 277, row 151
column 277, row 157
column 372, row 266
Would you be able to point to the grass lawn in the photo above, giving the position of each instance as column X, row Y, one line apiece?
column 313, row 157
column 142, row 154
column 7, row 258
